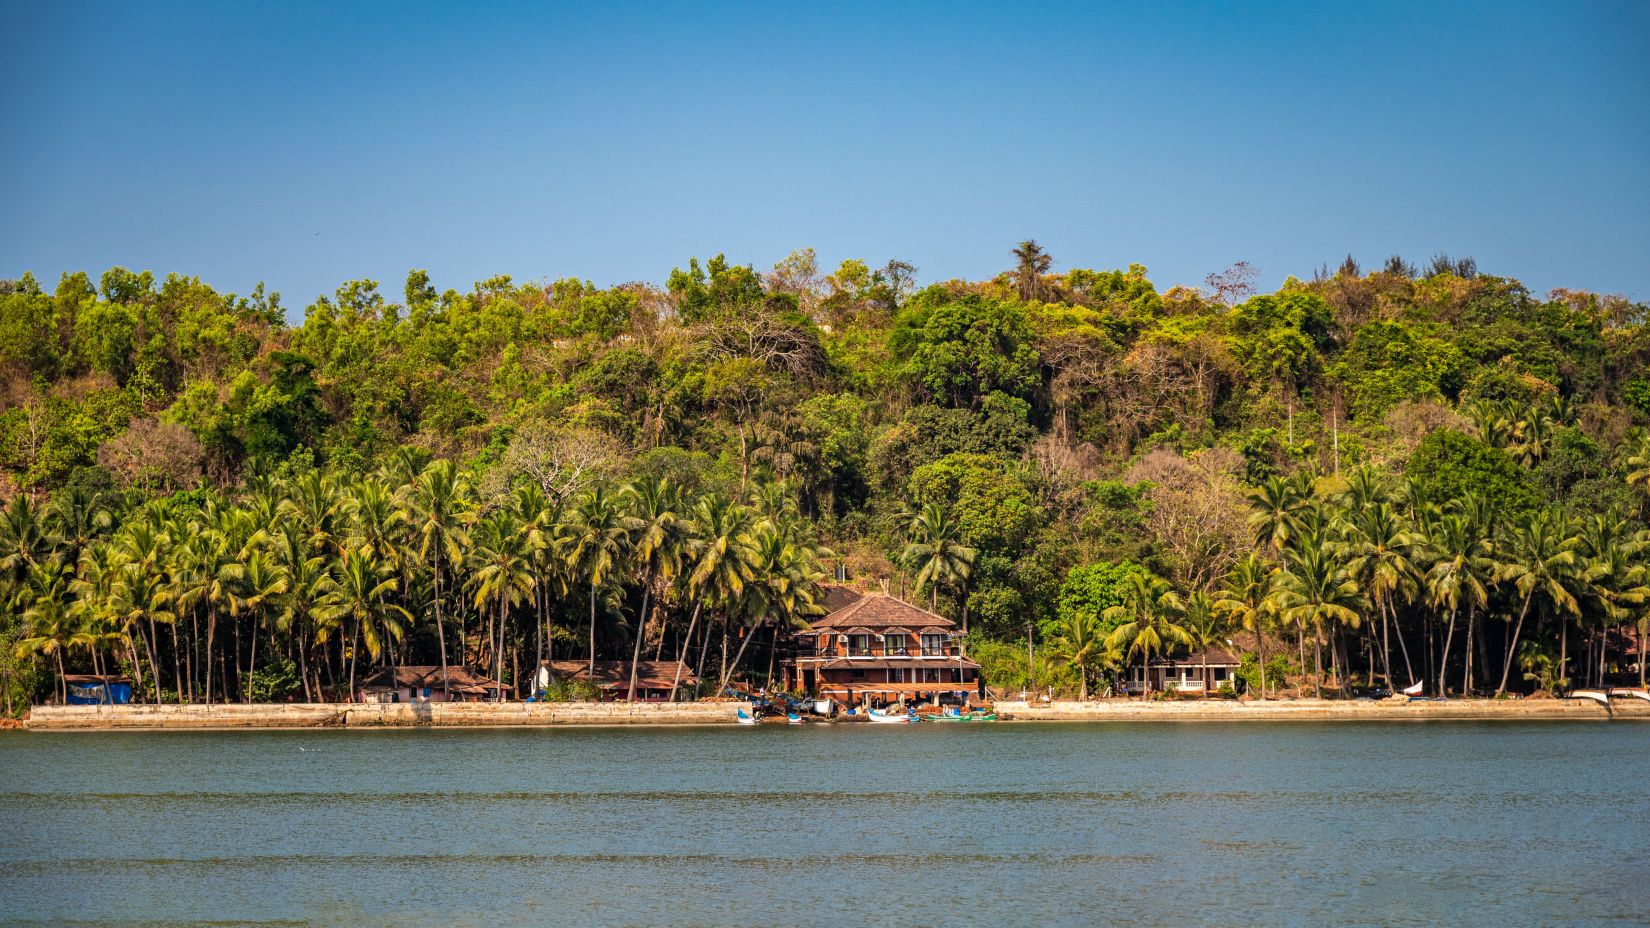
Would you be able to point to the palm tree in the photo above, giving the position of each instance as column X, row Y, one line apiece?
column 1616, row 581
column 1381, row 548
column 1541, row 563
column 1278, row 503
column 1245, row 601
column 938, row 555
column 597, row 535
column 1030, row 264
column 310, row 586
column 1314, row 591
column 355, row 605
column 1080, row 644
column 48, row 625
column 655, row 550
column 504, row 572
column 786, row 573
column 437, row 503
column 717, row 562
column 1149, row 618
column 262, row 581
column 1461, row 563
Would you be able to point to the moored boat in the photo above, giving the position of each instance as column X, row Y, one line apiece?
column 888, row 718
column 745, row 718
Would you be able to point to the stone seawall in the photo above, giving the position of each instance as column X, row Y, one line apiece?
column 1323, row 710
column 402, row 715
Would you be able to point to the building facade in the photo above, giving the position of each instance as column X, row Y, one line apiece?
column 877, row 649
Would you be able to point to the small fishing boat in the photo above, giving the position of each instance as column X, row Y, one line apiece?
column 1594, row 695
column 980, row 717
column 793, row 719
column 888, row 718
column 1414, row 691
column 1626, row 693
column 745, row 718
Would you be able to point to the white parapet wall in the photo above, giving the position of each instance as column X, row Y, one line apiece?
column 1390, row 710
column 341, row 715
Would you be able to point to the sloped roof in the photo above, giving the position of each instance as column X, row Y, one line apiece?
column 652, row 675
column 1213, row 657
column 838, row 596
column 862, row 663
column 878, row 611
column 429, row 675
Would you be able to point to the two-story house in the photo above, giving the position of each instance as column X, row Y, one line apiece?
column 881, row 649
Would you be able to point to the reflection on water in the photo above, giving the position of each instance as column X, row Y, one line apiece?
column 1286, row 824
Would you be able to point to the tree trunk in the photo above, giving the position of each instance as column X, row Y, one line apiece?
column 251, row 665
column 1260, row 655
column 674, row 684
column 1563, row 644
column 592, row 670
column 1466, row 673
column 1403, row 648
column 1512, row 643
column 743, row 644
column 211, row 632
column 641, row 631
column 177, row 666
column 440, row 630
column 1443, row 659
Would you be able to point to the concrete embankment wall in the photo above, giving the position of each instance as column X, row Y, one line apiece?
column 339, row 715
column 1323, row 710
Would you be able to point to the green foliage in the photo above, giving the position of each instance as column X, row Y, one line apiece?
column 1389, row 362
column 1091, row 589
column 1450, row 465
column 961, row 350
column 992, row 502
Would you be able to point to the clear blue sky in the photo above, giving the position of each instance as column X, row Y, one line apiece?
column 306, row 144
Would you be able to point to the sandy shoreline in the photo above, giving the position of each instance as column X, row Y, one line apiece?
column 485, row 715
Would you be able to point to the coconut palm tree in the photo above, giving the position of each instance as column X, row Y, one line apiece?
column 1079, row 644
column 1245, row 601
column 1313, row 591
column 1277, row 503
column 1615, row 579
column 786, row 573
column 1382, row 548
column 1540, row 563
column 355, row 606
column 938, row 555
column 49, row 627
column 1461, row 563
column 655, row 550
column 1149, row 621
column 717, row 562
column 503, row 574
column 597, row 534
column 437, row 504
column 262, row 580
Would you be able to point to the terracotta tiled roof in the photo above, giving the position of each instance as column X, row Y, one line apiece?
column 862, row 663
column 1213, row 657
column 429, row 675
column 652, row 675
column 838, row 596
column 877, row 611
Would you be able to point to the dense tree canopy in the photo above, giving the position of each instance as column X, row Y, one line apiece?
column 188, row 474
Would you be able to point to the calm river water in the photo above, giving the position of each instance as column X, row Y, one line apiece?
column 1176, row 824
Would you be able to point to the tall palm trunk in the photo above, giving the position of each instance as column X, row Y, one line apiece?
column 727, row 672
column 441, row 631
column 1466, row 673
column 1443, row 659
column 682, row 660
column 592, row 670
column 1403, row 648
column 149, row 645
column 211, row 632
column 641, row 630
column 251, row 665
column 1512, row 643
column 177, row 666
